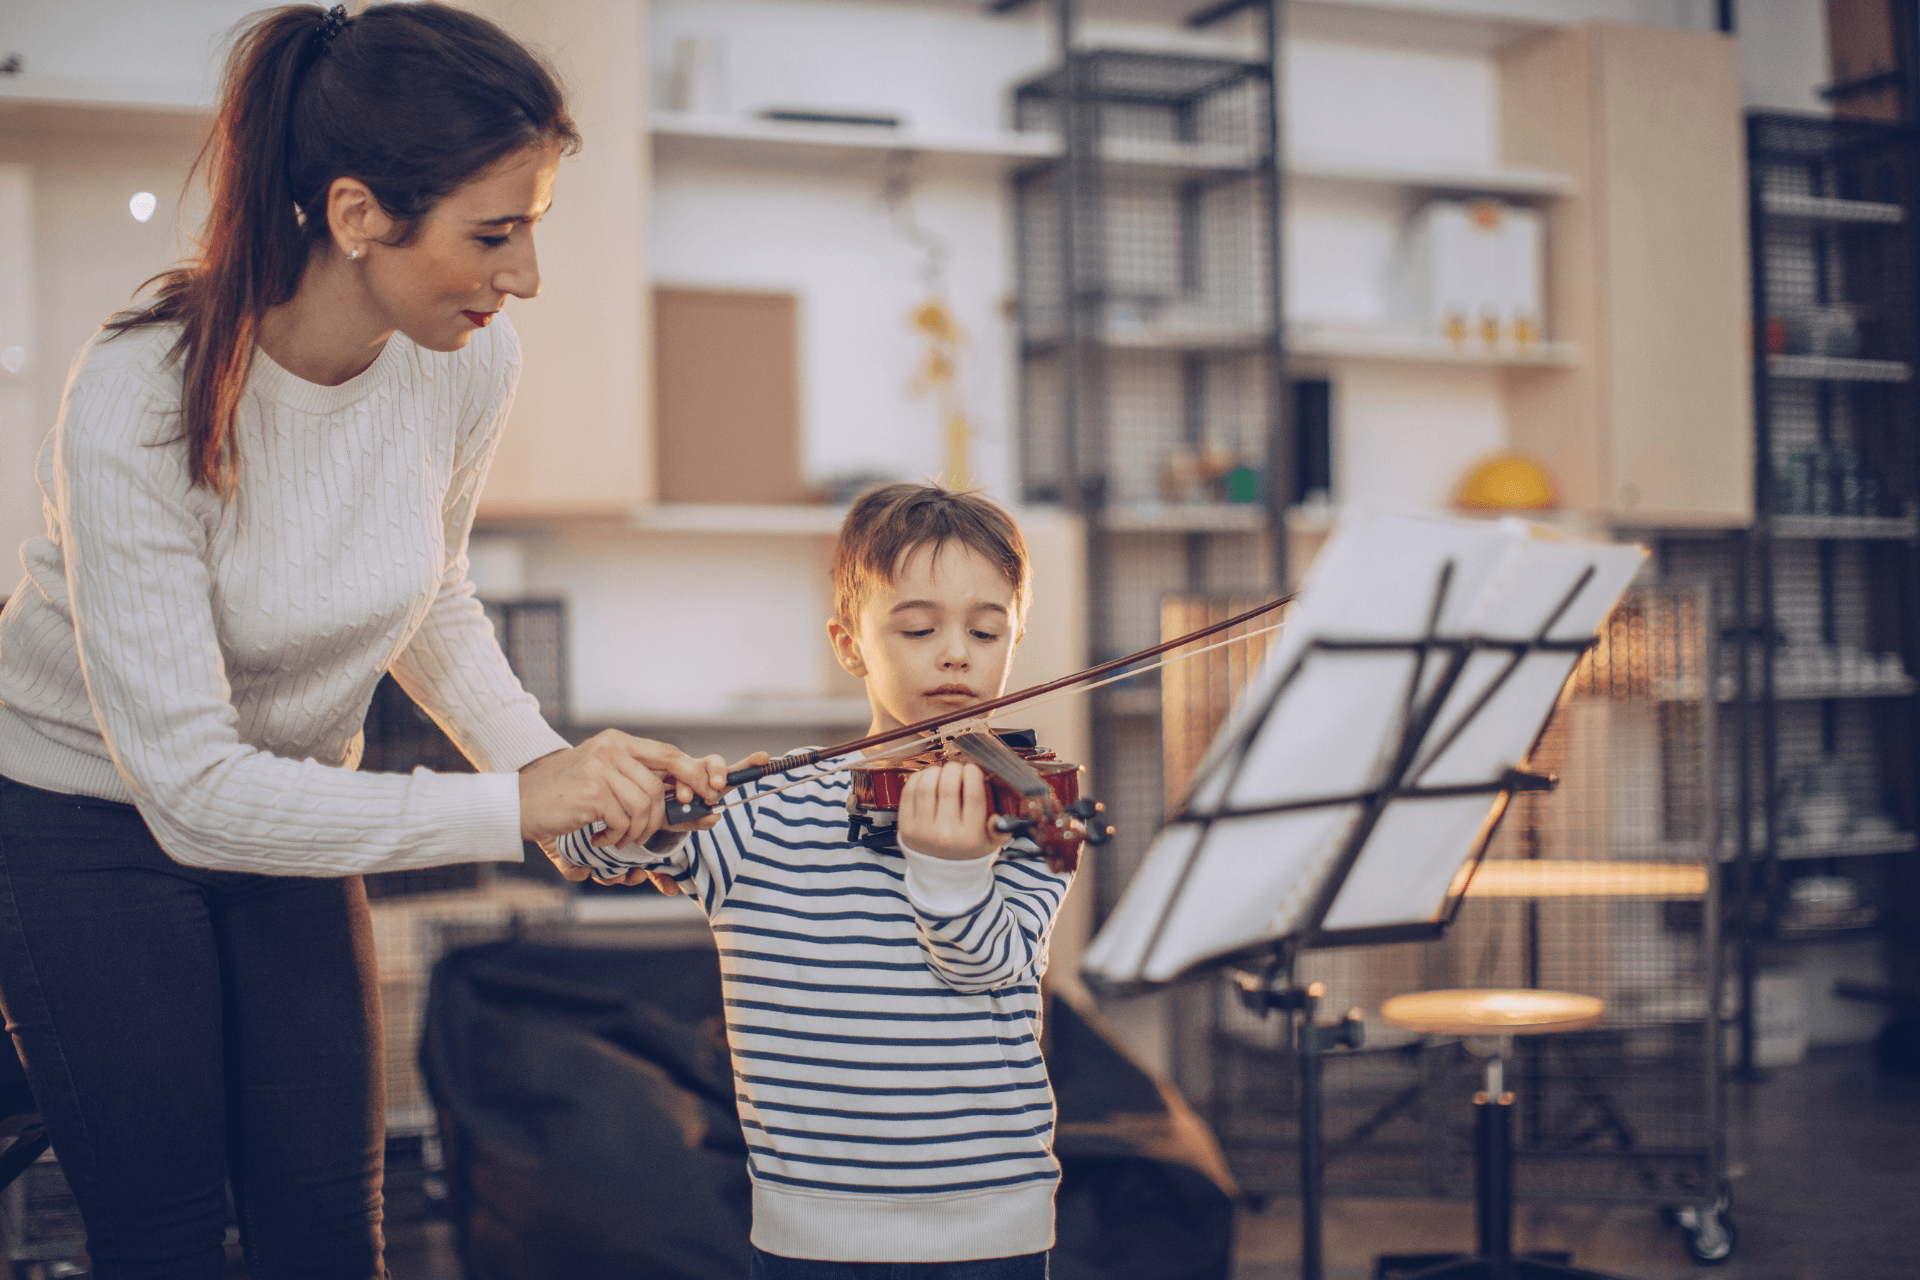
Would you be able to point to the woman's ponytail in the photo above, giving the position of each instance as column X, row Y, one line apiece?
column 411, row 99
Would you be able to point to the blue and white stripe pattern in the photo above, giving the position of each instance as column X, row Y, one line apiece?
column 883, row 1009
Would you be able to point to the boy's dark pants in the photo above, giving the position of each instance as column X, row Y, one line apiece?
column 1030, row 1266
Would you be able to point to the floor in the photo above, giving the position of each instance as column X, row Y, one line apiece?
column 1826, row 1163
column 1825, row 1158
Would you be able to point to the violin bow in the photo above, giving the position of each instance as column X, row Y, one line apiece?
column 697, row 808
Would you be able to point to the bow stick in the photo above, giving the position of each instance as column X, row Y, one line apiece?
column 697, row 808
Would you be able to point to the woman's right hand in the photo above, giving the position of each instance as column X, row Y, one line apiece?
column 615, row 779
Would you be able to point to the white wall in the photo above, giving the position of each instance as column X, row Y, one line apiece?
column 119, row 50
column 19, row 421
column 829, row 240
column 945, row 69
column 80, row 256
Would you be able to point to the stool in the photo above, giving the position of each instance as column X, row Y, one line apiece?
column 1502, row 1014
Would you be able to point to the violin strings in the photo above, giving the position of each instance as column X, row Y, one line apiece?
column 920, row 744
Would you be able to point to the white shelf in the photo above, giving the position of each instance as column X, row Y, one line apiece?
column 1186, row 517
column 1306, row 167
column 1838, row 369
column 744, row 140
column 745, row 519
column 1429, row 26
column 1800, row 690
column 1359, row 346
column 1894, row 528
column 1857, row 845
column 172, row 97
column 1823, row 209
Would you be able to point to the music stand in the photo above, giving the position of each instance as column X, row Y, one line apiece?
column 1357, row 782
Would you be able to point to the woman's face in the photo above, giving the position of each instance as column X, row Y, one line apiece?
column 466, row 256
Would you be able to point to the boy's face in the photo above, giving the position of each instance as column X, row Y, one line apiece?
column 939, row 639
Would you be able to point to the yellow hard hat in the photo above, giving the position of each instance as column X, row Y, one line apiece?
column 1508, row 482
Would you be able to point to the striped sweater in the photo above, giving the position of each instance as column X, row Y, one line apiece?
column 883, row 1008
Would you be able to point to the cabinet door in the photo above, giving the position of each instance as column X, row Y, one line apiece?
column 727, row 402
column 1647, row 270
column 577, row 443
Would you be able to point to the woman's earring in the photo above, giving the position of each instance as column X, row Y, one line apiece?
column 354, row 254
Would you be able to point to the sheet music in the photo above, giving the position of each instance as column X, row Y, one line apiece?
column 1314, row 724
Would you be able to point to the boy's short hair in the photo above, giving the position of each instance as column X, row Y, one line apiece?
column 885, row 524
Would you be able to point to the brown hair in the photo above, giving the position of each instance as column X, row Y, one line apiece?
column 412, row 99
column 891, row 521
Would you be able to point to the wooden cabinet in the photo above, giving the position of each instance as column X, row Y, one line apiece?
column 579, row 440
column 1647, row 271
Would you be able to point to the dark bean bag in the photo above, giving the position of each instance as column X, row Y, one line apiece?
column 589, row 1130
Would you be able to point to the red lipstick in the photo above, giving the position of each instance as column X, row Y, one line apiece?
column 479, row 319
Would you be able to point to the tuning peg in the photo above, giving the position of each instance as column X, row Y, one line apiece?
column 1088, row 811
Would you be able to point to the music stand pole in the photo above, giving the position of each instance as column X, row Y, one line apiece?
column 1260, row 993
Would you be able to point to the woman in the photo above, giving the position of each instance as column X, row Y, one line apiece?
column 259, row 493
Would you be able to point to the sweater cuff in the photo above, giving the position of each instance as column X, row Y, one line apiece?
column 480, row 817
column 946, row 887
column 517, row 738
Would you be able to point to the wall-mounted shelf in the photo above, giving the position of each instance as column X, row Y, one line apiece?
column 759, row 521
column 1426, row 27
column 1338, row 347
column 1186, row 517
column 1359, row 347
column 742, row 140
column 1489, row 180
column 731, row 139
column 172, row 97
column 1822, row 690
column 1858, row 845
column 1838, row 369
column 1799, row 208
column 1848, row 528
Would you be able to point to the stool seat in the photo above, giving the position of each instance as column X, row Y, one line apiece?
column 1492, row 1012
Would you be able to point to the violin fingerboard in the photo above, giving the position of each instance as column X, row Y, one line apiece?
column 999, row 760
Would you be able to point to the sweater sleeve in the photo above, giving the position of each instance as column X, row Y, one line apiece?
column 984, row 922
column 704, row 864
column 453, row 666
column 135, row 533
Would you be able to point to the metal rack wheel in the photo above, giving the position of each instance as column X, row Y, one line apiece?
column 1711, row 1235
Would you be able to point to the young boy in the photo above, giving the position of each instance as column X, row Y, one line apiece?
column 883, row 997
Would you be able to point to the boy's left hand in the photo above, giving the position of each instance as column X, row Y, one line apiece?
column 944, row 813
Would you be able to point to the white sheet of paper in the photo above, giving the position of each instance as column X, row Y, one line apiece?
column 1236, row 882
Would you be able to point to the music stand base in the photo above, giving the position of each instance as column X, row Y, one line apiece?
column 1457, row 1266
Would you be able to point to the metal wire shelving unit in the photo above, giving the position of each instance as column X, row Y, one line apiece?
column 1150, row 344
column 1820, row 606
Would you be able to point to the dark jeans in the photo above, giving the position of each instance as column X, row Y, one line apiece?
column 184, row 1028
column 1028, row 1266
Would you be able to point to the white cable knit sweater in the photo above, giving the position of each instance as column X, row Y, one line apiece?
column 211, row 661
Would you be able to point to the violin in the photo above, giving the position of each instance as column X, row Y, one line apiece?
column 1033, row 793
column 1041, row 795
